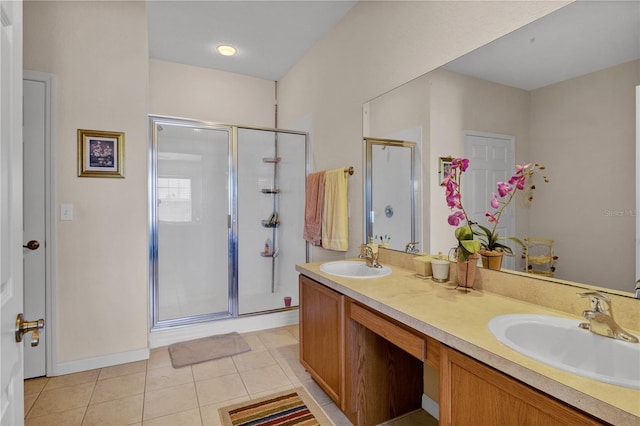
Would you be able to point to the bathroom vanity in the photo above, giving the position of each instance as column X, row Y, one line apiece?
column 375, row 345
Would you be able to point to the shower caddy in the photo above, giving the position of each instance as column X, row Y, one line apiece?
column 273, row 221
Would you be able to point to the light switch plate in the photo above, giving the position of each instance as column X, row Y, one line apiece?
column 66, row 211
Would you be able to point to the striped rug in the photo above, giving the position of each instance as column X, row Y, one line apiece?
column 293, row 407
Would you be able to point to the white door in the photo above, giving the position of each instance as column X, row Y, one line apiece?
column 637, row 180
column 11, row 291
column 491, row 160
column 35, row 133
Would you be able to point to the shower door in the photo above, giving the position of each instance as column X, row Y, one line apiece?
column 226, row 219
column 191, row 217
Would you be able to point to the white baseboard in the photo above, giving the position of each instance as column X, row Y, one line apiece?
column 98, row 362
column 179, row 334
column 430, row 406
column 159, row 338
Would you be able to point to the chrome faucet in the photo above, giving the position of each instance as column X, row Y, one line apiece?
column 601, row 319
column 637, row 293
column 370, row 257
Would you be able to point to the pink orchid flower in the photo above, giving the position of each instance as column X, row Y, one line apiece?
column 453, row 200
column 519, row 181
column 490, row 217
column 455, row 218
column 462, row 162
column 494, row 201
column 504, row 188
column 521, row 168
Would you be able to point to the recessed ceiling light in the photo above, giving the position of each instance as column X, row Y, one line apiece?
column 226, row 50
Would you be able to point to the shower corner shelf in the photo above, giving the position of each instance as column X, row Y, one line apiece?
column 270, row 191
column 273, row 254
column 269, row 224
column 271, row 160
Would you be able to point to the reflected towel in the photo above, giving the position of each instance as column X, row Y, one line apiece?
column 335, row 215
column 313, row 208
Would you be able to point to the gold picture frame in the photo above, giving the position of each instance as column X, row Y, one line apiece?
column 444, row 167
column 100, row 153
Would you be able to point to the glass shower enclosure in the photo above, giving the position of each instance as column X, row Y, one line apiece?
column 226, row 213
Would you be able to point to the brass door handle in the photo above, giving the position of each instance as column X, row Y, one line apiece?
column 32, row 245
column 23, row 326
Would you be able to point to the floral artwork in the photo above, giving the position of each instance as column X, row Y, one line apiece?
column 100, row 153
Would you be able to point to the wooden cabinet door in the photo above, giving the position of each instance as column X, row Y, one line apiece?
column 472, row 393
column 322, row 336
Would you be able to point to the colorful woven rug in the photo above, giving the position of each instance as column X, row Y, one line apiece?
column 293, row 407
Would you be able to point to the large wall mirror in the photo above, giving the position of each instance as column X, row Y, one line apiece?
column 564, row 88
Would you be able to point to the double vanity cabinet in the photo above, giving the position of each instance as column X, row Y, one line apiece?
column 375, row 363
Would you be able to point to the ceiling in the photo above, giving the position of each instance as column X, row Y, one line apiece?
column 271, row 36
column 583, row 37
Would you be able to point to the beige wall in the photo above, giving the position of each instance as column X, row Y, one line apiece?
column 210, row 95
column 376, row 47
column 395, row 112
column 98, row 53
column 460, row 103
column 583, row 130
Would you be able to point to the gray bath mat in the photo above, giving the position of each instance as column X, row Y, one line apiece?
column 207, row 349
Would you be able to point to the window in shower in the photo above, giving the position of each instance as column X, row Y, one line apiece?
column 174, row 199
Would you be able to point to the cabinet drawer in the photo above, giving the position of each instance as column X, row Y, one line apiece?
column 405, row 340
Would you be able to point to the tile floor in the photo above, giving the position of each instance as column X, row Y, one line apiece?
column 152, row 392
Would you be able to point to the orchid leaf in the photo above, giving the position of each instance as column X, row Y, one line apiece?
column 472, row 246
column 464, row 233
column 516, row 240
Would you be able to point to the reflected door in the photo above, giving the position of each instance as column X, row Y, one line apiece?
column 192, row 216
column 492, row 160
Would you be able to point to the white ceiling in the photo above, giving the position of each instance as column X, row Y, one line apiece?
column 271, row 36
column 580, row 38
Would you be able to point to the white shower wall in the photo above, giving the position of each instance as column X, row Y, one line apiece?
column 256, row 293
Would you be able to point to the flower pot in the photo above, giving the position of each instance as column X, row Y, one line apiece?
column 467, row 271
column 492, row 259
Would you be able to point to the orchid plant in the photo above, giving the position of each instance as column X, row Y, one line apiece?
column 489, row 239
column 464, row 233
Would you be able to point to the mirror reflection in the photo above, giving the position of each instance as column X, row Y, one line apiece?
column 564, row 88
column 390, row 194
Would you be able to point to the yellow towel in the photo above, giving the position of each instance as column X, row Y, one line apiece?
column 335, row 215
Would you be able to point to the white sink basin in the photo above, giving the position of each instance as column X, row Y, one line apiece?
column 559, row 342
column 353, row 269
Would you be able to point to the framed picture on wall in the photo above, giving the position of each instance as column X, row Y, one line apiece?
column 100, row 153
column 444, row 168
